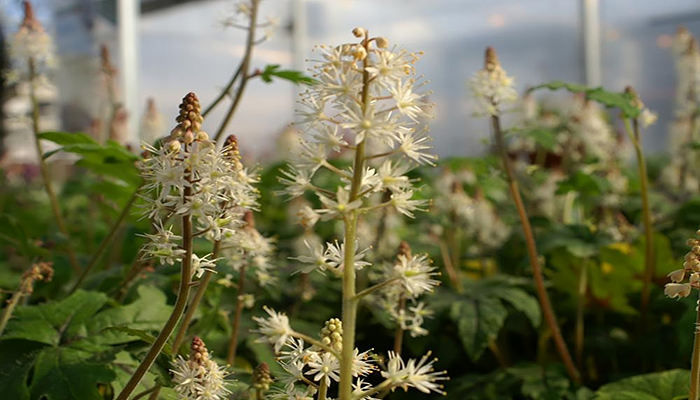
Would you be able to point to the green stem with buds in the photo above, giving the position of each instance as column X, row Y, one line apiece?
column 545, row 303
column 349, row 300
column 44, row 169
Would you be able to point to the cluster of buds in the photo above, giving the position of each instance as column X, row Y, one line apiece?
column 42, row 271
column 199, row 377
column 691, row 268
column 188, row 176
column 31, row 45
column 492, row 87
column 261, row 378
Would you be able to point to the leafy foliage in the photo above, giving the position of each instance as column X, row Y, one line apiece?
column 296, row 77
column 667, row 385
column 623, row 101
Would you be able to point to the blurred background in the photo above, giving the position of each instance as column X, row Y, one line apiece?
column 162, row 49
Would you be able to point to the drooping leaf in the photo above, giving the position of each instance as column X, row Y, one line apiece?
column 665, row 385
column 296, row 77
column 623, row 101
column 546, row 138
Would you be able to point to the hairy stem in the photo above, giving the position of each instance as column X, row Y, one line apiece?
column 236, row 325
column 245, row 67
column 11, row 305
column 107, row 240
column 178, row 308
column 44, row 169
column 194, row 303
column 349, row 301
column 545, row 303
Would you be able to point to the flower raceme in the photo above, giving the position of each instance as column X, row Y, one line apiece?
column 363, row 94
column 187, row 175
column 199, row 377
column 691, row 268
column 492, row 87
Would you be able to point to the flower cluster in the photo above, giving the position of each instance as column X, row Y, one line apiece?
column 412, row 276
column 31, row 46
column 492, row 87
column 199, row 377
column 317, row 366
column 691, row 268
column 475, row 214
column 367, row 97
column 188, row 176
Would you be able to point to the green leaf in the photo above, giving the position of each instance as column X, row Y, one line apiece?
column 110, row 159
column 60, row 374
column 623, row 101
column 143, row 335
column 478, row 322
column 657, row 386
column 47, row 323
column 523, row 302
column 17, row 358
column 544, row 137
column 296, row 77
column 67, row 138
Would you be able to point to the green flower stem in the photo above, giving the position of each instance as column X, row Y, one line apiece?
column 398, row 335
column 545, row 303
column 317, row 343
column 694, row 393
column 201, row 289
column 245, row 67
column 236, row 325
column 107, row 240
column 376, row 287
column 649, row 261
column 349, row 316
column 178, row 308
column 580, row 308
column 44, row 169
column 146, row 392
column 322, row 390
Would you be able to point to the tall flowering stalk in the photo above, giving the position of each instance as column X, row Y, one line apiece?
column 189, row 179
column 493, row 89
column 645, row 119
column 32, row 50
column 367, row 102
column 679, row 288
column 199, row 376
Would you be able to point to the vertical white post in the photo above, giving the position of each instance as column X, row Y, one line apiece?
column 127, row 19
column 590, row 11
column 299, row 40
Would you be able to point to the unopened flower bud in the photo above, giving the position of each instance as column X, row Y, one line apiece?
column 382, row 42
column 491, row 62
column 359, row 52
column 359, row 32
column 174, row 146
column 262, row 378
